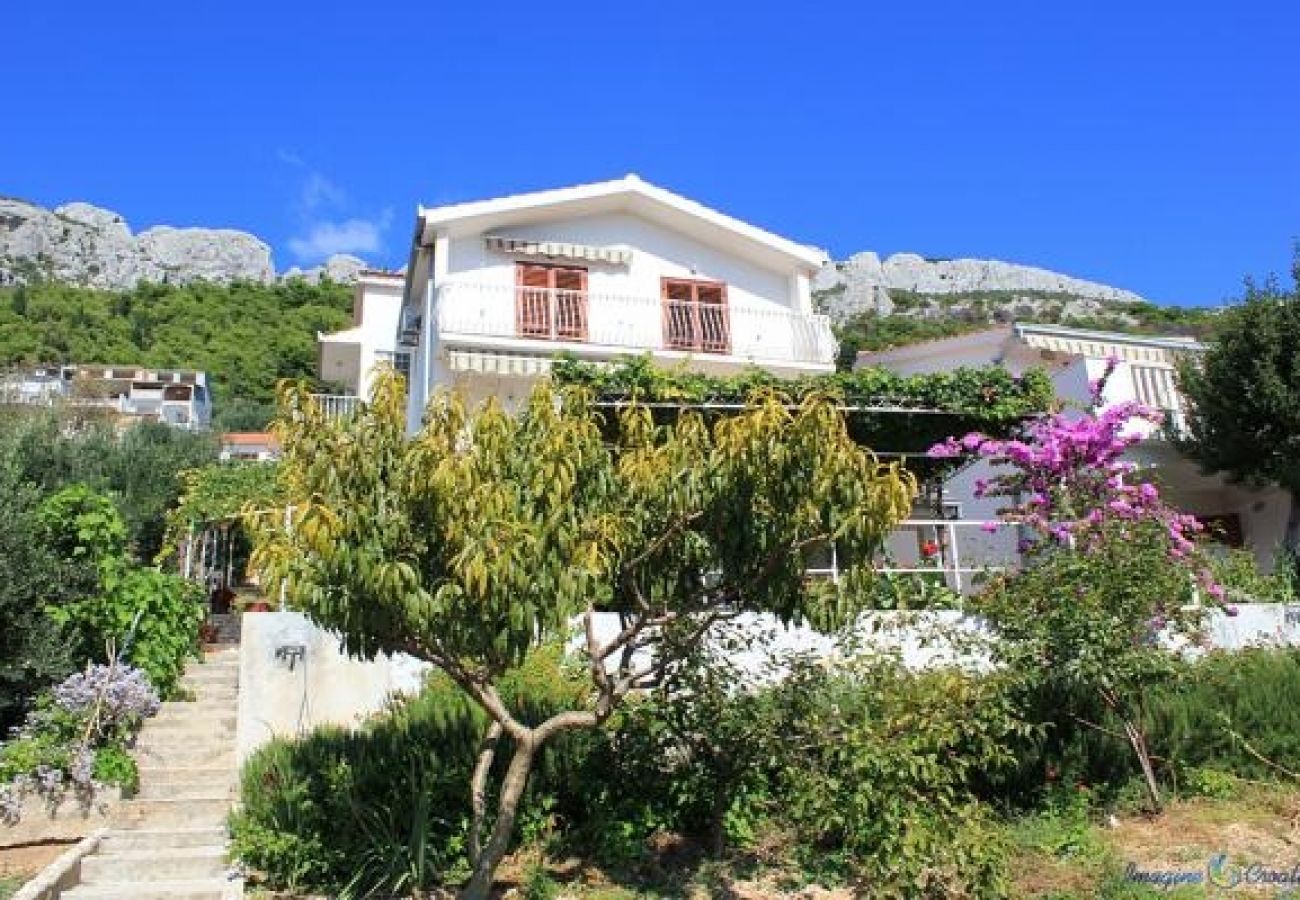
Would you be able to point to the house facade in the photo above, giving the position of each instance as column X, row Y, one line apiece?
column 496, row 289
column 347, row 359
column 177, row 397
column 1074, row 358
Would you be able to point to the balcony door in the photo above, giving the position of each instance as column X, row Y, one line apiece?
column 551, row 302
column 695, row 316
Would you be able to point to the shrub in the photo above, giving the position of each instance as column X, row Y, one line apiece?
column 384, row 809
column 876, row 776
column 1227, row 715
column 33, row 652
column 139, row 467
column 150, row 618
column 75, row 738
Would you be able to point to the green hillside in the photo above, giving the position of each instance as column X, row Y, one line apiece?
column 245, row 336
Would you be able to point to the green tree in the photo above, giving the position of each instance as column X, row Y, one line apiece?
column 33, row 654
column 1244, row 393
column 245, row 335
column 488, row 533
column 149, row 618
column 139, row 467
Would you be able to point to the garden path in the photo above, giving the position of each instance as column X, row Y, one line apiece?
column 170, row 840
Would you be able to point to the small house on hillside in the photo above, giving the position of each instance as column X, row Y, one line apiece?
column 257, row 446
column 1146, row 366
column 177, row 397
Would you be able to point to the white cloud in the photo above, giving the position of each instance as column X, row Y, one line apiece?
column 355, row 236
column 325, row 229
column 318, row 192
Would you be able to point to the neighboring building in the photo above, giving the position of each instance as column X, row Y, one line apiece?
column 260, row 446
column 177, row 397
column 495, row 289
column 1074, row 357
column 348, row 358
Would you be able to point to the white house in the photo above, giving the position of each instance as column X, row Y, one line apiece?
column 177, row 397
column 496, row 288
column 1073, row 357
column 348, row 358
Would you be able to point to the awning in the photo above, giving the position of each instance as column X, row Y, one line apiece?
column 486, row 362
column 619, row 256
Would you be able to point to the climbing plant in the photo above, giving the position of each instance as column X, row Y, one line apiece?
column 883, row 410
column 220, row 492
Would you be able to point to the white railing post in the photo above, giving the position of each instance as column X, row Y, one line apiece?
column 951, row 530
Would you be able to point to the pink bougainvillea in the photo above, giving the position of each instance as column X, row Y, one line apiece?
column 1067, row 480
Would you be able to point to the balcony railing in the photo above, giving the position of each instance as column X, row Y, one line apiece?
column 751, row 331
column 956, row 552
column 337, row 406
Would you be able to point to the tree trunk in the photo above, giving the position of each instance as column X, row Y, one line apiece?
column 512, row 789
column 718, row 821
column 478, row 789
column 1139, row 744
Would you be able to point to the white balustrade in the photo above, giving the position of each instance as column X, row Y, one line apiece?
column 959, row 552
column 630, row 322
column 337, row 406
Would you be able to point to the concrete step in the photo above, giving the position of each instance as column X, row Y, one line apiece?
column 181, row 790
column 208, row 706
column 186, row 774
column 173, row 864
column 203, row 889
column 147, row 839
column 214, row 695
column 191, row 812
column 177, row 734
column 206, row 675
column 165, row 754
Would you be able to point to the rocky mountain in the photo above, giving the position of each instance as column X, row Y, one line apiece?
column 83, row 244
column 908, row 284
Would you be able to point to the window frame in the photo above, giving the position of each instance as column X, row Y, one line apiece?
column 698, row 344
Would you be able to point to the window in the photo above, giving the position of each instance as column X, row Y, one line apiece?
column 551, row 302
column 400, row 360
column 695, row 316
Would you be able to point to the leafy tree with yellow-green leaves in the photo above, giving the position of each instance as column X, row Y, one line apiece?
column 488, row 533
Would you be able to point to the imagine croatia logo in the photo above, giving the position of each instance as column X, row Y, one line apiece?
column 1219, row 872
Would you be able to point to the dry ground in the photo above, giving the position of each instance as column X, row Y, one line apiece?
column 1260, row 825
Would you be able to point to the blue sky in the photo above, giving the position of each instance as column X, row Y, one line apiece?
column 1152, row 145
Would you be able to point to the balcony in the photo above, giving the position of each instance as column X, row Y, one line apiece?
column 577, row 319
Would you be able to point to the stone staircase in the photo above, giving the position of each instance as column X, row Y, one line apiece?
column 170, row 840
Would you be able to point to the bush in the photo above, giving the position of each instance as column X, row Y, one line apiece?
column 1219, row 715
column 868, row 770
column 876, row 776
column 34, row 653
column 384, row 809
column 75, row 738
column 139, row 467
column 150, row 618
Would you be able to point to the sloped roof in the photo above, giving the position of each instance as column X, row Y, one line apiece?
column 627, row 194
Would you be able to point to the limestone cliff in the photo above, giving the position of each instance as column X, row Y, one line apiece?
column 87, row 245
column 905, row 283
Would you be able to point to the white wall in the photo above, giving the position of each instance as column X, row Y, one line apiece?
column 656, row 252
column 329, row 688
column 380, row 306
column 324, row 687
